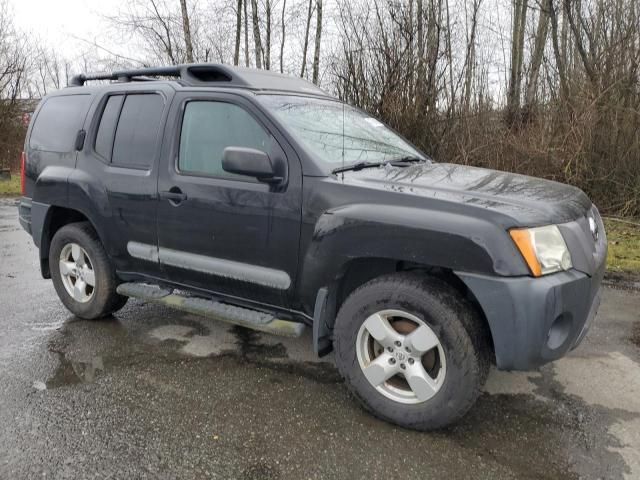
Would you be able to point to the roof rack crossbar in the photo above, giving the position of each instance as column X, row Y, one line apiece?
column 126, row 75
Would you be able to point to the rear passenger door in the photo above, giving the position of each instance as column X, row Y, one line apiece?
column 120, row 160
column 227, row 233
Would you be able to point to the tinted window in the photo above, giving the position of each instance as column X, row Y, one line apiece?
column 210, row 127
column 58, row 122
column 107, row 128
column 137, row 131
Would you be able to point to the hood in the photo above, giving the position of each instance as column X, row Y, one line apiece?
column 527, row 201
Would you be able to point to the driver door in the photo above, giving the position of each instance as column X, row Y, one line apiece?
column 222, row 232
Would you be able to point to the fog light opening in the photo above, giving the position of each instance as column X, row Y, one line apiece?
column 559, row 331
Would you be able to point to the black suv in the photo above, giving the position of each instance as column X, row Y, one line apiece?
column 258, row 199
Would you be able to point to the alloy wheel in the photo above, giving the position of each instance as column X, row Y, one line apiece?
column 401, row 356
column 76, row 271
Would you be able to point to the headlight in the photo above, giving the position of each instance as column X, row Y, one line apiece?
column 543, row 248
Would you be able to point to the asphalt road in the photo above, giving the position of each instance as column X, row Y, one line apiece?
column 154, row 393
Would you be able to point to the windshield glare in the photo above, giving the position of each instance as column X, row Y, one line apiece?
column 328, row 128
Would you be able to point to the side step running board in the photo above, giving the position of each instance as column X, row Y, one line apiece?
column 261, row 321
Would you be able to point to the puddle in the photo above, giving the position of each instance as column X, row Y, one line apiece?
column 538, row 425
column 173, row 332
column 74, row 372
column 250, row 345
column 193, row 338
column 254, row 350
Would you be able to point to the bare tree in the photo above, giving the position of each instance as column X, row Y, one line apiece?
column 316, row 54
column 186, row 27
column 256, row 33
column 426, row 67
column 559, row 52
column 517, row 56
column 470, row 59
column 536, row 57
column 267, row 50
column 236, row 52
column 246, row 34
column 14, row 57
column 282, row 38
column 306, row 39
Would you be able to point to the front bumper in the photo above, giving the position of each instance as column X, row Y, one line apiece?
column 534, row 321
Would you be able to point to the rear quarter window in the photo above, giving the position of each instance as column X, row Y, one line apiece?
column 58, row 122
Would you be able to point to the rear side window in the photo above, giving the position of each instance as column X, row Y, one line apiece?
column 129, row 129
column 58, row 122
column 107, row 128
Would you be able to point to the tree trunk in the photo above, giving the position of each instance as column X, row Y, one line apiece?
column 246, row 34
column 267, row 52
column 236, row 52
column 536, row 59
column 284, row 6
column 517, row 53
column 256, row 33
column 306, row 39
column 452, row 104
column 433, row 49
column 586, row 61
column 470, row 61
column 560, row 57
column 420, row 80
column 186, row 27
column 316, row 54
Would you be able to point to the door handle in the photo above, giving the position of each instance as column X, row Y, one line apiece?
column 174, row 195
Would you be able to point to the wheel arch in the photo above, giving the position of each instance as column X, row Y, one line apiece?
column 359, row 271
column 54, row 219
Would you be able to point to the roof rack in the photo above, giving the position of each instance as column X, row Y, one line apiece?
column 206, row 74
column 194, row 73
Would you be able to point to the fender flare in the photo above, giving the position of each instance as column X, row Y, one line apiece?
column 408, row 235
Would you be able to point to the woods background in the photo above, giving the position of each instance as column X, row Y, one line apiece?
column 542, row 87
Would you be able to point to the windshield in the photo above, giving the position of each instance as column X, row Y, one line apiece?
column 328, row 128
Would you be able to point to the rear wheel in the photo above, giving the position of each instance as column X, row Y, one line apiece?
column 411, row 350
column 82, row 273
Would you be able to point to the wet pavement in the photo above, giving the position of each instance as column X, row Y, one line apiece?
column 155, row 393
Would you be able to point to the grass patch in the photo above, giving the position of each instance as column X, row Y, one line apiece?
column 624, row 246
column 10, row 188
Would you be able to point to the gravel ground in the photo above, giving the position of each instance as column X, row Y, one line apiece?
column 155, row 393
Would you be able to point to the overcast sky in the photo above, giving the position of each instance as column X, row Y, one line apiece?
column 71, row 27
column 60, row 23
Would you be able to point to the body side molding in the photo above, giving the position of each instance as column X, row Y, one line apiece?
column 267, row 277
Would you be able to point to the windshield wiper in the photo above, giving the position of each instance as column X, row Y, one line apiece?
column 354, row 167
column 405, row 159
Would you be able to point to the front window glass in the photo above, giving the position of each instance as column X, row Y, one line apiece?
column 328, row 128
column 210, row 127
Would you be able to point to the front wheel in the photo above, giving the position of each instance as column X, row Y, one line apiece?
column 82, row 273
column 411, row 350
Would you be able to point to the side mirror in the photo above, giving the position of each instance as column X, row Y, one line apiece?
column 250, row 162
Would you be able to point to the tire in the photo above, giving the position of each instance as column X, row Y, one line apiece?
column 87, row 302
column 456, row 367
